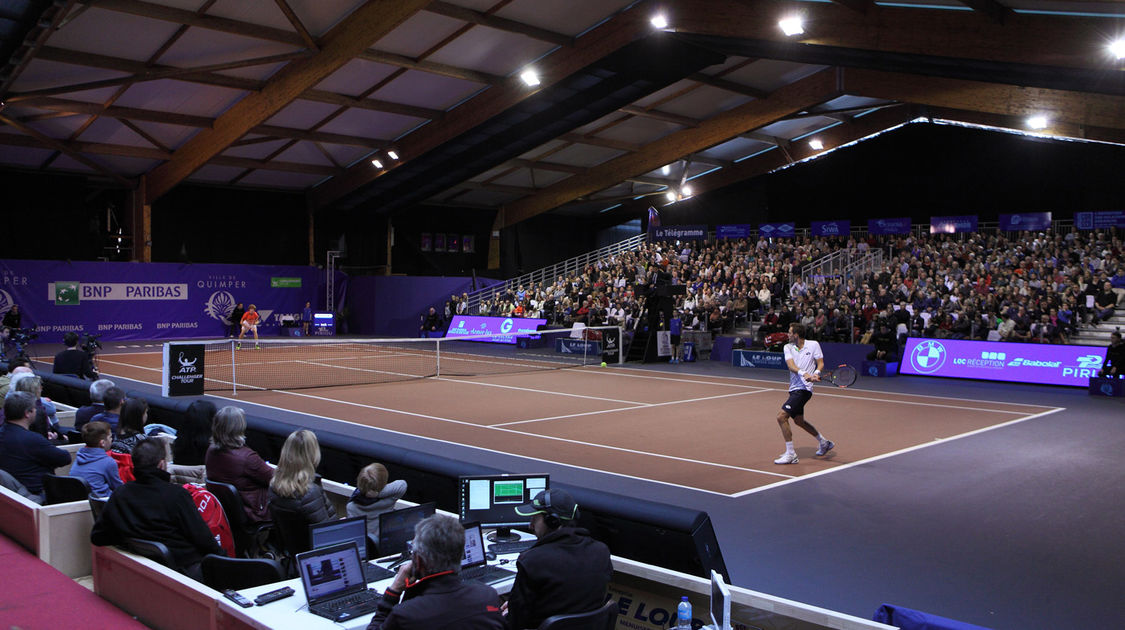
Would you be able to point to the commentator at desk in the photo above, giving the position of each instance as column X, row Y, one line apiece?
column 72, row 360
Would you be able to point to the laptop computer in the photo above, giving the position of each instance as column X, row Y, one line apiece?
column 334, row 583
column 397, row 526
column 331, row 533
column 474, row 564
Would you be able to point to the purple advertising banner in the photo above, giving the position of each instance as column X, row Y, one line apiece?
column 123, row 301
column 736, row 230
column 1025, row 221
column 898, row 225
column 1099, row 220
column 831, row 228
column 777, row 230
column 467, row 325
column 679, row 232
column 1045, row 364
column 953, row 225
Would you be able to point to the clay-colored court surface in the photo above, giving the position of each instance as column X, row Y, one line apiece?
column 718, row 435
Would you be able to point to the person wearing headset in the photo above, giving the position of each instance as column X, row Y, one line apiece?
column 565, row 572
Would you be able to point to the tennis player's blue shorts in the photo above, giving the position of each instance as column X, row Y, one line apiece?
column 795, row 406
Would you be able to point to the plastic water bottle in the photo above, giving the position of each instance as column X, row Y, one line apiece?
column 683, row 614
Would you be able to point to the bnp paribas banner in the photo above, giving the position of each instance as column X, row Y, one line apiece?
column 150, row 300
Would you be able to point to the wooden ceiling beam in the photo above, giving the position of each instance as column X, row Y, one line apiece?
column 545, row 166
column 1095, row 110
column 1064, row 129
column 990, row 8
column 62, row 147
column 364, row 26
column 608, row 143
column 796, row 96
column 859, row 6
column 498, row 23
column 1023, row 38
column 290, row 15
column 728, row 85
column 683, row 121
column 594, row 45
column 433, row 67
column 191, row 18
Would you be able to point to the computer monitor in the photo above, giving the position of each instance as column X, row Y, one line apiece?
column 397, row 526
column 720, row 602
column 340, row 531
column 492, row 500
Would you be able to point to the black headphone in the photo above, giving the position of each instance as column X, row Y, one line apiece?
column 550, row 519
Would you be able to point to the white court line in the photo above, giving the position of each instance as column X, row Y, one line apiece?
column 544, row 391
column 647, row 406
column 908, row 449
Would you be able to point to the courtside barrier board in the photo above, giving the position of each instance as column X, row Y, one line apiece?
column 1045, row 364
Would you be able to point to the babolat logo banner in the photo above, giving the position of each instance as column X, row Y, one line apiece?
column 1045, row 364
column 831, row 228
column 758, row 359
column 777, row 230
column 183, row 369
column 679, row 232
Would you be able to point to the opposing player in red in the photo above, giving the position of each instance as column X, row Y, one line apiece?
column 250, row 321
column 806, row 361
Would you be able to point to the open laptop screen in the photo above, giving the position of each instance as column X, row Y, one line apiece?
column 345, row 530
column 330, row 572
column 397, row 527
column 474, row 546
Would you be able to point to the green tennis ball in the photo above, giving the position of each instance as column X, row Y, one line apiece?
column 603, row 363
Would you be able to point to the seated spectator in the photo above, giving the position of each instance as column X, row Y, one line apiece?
column 1104, row 304
column 427, row 593
column 46, row 421
column 1117, row 283
column 113, row 398
column 295, row 486
column 566, row 571
column 373, row 496
column 72, row 360
column 153, row 508
column 96, row 406
column 886, row 344
column 25, row 454
column 194, row 436
column 131, row 425
column 229, row 460
column 93, row 463
column 16, row 366
column 1114, row 357
column 431, row 322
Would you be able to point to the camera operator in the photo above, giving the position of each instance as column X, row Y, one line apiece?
column 12, row 317
column 72, row 360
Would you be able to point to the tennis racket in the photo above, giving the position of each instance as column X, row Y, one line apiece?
column 841, row 376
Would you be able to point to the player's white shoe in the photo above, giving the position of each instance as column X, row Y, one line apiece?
column 787, row 458
column 825, row 446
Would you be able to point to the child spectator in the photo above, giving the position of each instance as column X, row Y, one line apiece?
column 373, row 496
column 114, row 397
column 93, row 464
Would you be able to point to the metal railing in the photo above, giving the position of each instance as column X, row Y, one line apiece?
column 547, row 275
column 843, row 264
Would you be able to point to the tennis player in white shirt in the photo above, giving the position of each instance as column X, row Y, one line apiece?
column 805, row 360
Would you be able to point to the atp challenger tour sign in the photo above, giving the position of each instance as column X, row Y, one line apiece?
column 1045, row 364
column 183, row 370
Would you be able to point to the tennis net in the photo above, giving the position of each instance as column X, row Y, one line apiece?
column 230, row 365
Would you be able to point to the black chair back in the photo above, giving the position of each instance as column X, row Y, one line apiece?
column 221, row 572
column 604, row 618
column 247, row 535
column 64, row 489
column 293, row 529
column 151, row 549
column 97, row 505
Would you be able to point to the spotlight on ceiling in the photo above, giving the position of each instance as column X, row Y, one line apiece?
column 686, row 191
column 1117, row 48
column 530, row 77
column 1039, row 121
column 376, row 163
column 666, row 169
column 671, row 195
column 793, row 25
column 659, row 22
column 392, row 154
column 816, row 145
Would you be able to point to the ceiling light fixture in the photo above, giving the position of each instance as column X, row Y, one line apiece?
column 671, row 195
column 1117, row 48
column 530, row 77
column 376, row 163
column 666, row 169
column 686, row 191
column 793, row 25
column 816, row 145
column 659, row 22
column 1039, row 121
column 392, row 154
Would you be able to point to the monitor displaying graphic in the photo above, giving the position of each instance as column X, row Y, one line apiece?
column 492, row 499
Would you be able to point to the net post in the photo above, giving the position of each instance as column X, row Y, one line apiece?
column 620, row 345
column 233, row 374
column 437, row 357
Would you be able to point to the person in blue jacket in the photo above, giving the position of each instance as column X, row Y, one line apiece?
column 93, row 463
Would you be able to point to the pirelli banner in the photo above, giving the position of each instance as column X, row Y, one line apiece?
column 123, row 301
column 182, row 374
